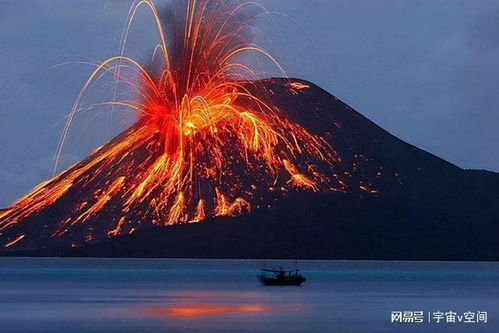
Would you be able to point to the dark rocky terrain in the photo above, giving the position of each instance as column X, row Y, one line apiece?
column 401, row 203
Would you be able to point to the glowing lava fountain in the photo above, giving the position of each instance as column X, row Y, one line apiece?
column 208, row 140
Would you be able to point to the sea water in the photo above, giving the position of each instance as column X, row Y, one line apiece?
column 190, row 295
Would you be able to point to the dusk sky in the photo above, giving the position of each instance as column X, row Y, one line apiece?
column 426, row 71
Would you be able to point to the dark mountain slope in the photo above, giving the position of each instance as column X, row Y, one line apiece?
column 309, row 227
column 400, row 202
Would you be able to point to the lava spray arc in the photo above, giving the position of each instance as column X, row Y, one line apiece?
column 207, row 142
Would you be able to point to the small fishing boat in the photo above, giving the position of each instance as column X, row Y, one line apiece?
column 281, row 277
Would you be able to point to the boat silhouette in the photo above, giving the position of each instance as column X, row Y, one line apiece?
column 281, row 277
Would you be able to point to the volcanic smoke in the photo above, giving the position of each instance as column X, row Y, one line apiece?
column 207, row 142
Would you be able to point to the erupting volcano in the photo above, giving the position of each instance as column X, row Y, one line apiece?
column 208, row 141
column 221, row 163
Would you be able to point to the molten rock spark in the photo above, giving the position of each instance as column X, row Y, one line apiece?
column 207, row 142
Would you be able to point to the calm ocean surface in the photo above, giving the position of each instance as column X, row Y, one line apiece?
column 177, row 295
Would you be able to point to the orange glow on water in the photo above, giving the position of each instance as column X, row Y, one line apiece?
column 191, row 311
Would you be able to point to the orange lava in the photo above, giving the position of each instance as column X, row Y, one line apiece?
column 201, row 132
column 17, row 239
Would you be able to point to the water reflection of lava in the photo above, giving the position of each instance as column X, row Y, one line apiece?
column 199, row 310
